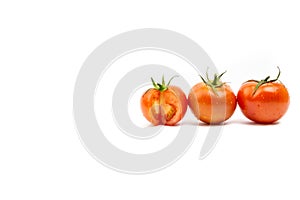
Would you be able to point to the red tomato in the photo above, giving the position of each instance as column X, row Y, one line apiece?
column 212, row 101
column 164, row 104
column 264, row 101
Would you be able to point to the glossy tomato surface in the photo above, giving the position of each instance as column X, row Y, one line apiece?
column 164, row 107
column 209, row 106
column 267, row 104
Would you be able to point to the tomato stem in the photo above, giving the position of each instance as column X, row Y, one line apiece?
column 163, row 86
column 264, row 81
column 215, row 83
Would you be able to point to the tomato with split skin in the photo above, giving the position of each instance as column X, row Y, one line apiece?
column 163, row 104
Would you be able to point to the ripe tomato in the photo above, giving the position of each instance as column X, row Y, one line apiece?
column 264, row 101
column 163, row 104
column 212, row 101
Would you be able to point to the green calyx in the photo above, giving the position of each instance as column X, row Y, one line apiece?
column 215, row 83
column 163, row 86
column 264, row 81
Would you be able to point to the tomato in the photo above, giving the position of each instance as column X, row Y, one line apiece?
column 264, row 101
column 164, row 104
column 212, row 101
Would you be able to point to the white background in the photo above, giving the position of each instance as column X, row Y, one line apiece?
column 42, row 47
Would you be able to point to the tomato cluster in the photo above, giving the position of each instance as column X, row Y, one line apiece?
column 213, row 101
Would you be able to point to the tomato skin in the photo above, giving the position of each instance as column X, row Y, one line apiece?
column 267, row 105
column 164, row 107
column 211, row 107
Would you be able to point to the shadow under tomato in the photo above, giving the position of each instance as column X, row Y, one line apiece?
column 251, row 123
column 199, row 123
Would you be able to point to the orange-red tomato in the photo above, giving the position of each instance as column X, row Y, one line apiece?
column 264, row 101
column 212, row 102
column 164, row 104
